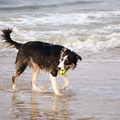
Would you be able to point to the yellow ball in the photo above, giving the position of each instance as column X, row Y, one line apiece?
column 62, row 72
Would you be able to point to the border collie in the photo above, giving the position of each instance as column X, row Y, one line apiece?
column 42, row 56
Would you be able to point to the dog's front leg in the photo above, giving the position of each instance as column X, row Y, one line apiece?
column 66, row 83
column 54, row 84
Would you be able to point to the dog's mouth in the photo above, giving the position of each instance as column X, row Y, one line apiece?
column 66, row 68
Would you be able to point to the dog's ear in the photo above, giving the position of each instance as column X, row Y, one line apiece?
column 78, row 57
column 65, row 50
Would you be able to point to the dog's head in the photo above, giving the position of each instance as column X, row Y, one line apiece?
column 68, row 59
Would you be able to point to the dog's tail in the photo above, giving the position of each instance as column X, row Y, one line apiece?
column 8, row 40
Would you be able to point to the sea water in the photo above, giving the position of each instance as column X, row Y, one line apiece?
column 89, row 27
column 82, row 24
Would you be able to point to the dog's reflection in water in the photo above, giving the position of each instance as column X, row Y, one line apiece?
column 39, row 106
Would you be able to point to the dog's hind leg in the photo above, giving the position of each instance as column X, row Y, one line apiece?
column 14, row 78
column 35, row 70
column 19, row 70
column 66, row 83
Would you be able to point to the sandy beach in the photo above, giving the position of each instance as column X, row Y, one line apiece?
column 89, row 27
column 93, row 94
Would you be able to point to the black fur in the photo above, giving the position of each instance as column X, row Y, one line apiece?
column 45, row 55
column 8, row 40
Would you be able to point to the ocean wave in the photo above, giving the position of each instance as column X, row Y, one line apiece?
column 68, row 38
column 17, row 6
column 90, row 30
column 96, row 18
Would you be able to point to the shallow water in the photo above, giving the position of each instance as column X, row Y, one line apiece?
column 89, row 27
column 94, row 92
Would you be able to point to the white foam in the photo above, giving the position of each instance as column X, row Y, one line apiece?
column 68, row 19
column 61, row 19
column 69, row 30
column 40, row 89
column 56, row 19
column 92, row 42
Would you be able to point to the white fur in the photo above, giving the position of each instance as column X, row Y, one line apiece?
column 35, row 88
column 13, row 87
column 66, row 83
column 61, row 64
column 54, row 84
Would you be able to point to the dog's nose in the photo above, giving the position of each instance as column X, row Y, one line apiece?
column 59, row 68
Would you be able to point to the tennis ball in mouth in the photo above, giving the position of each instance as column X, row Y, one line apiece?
column 62, row 72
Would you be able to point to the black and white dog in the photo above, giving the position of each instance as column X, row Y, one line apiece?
column 42, row 56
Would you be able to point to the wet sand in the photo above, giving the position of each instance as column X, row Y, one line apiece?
column 93, row 94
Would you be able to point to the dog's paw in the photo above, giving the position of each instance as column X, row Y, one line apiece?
column 40, row 88
column 59, row 94
column 36, row 89
column 59, row 89
column 14, row 87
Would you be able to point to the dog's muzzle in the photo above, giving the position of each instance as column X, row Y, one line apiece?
column 64, row 69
